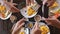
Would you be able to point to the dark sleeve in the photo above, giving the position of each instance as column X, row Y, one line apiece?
column 21, row 3
column 39, row 2
column 5, row 26
column 46, row 11
column 18, row 15
column 40, row 9
column 54, row 30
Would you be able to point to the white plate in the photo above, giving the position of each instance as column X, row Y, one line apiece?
column 55, row 9
column 41, row 23
column 7, row 9
column 24, row 13
column 6, row 17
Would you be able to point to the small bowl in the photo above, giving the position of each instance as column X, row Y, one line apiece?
column 37, row 18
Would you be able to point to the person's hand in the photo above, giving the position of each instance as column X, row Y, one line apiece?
column 35, row 29
column 12, row 6
column 0, row 15
column 44, row 1
column 18, row 26
column 28, row 2
column 50, row 2
column 53, row 22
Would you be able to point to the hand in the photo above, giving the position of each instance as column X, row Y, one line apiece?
column 53, row 21
column 35, row 29
column 0, row 15
column 12, row 6
column 28, row 2
column 50, row 2
column 44, row 1
column 18, row 26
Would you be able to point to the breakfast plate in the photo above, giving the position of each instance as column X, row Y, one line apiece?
column 55, row 6
column 8, row 16
column 30, row 11
column 24, row 13
column 44, row 28
column 4, row 10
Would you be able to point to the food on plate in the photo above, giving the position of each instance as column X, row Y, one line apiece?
column 44, row 29
column 30, row 11
column 22, row 31
column 2, row 8
column 43, row 33
column 54, row 5
column 3, row 15
column 30, row 25
column 3, row 11
column 57, row 12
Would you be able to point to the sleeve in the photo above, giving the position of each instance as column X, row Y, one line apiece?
column 46, row 11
